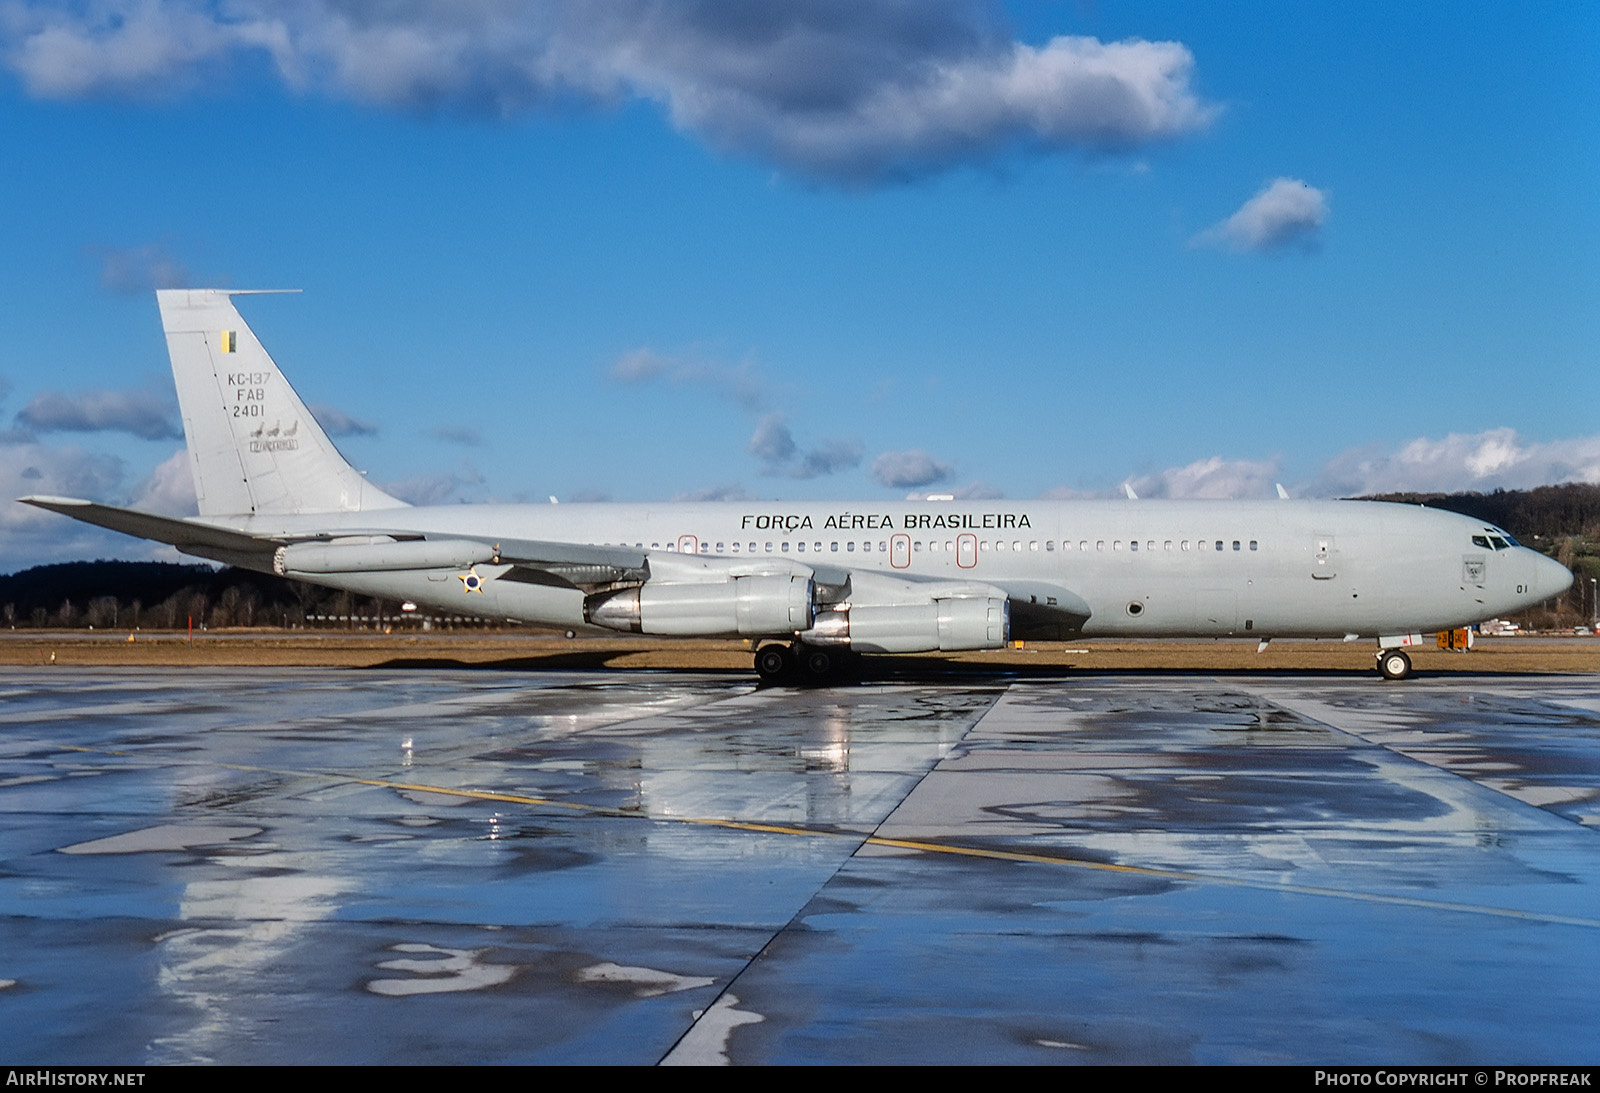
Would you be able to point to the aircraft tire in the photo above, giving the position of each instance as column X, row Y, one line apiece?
column 819, row 664
column 1394, row 664
column 773, row 662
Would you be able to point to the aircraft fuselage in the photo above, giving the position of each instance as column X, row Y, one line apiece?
column 1143, row 568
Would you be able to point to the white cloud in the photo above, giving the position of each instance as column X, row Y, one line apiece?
column 145, row 414
column 733, row 492
column 844, row 92
column 1492, row 459
column 335, row 422
column 137, row 271
column 1286, row 213
column 972, row 491
column 1213, row 478
column 909, row 470
column 1457, row 463
column 830, row 456
column 145, row 48
column 775, row 446
column 967, row 105
column 639, row 366
column 772, row 443
column 30, row 536
column 170, row 488
column 439, row 489
column 65, row 472
column 743, row 383
column 464, row 435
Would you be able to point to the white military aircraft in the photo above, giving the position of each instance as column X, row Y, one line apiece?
column 804, row 581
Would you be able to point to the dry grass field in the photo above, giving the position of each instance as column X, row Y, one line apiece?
column 520, row 650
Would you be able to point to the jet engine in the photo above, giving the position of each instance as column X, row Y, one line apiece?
column 945, row 624
column 757, row 605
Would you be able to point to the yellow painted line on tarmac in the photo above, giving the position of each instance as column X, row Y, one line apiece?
column 915, row 845
column 470, row 794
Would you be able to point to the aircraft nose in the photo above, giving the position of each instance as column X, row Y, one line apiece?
column 1550, row 577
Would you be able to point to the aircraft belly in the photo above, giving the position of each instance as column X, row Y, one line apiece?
column 444, row 590
column 1246, row 605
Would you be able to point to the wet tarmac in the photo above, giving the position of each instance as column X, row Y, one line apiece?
column 315, row 866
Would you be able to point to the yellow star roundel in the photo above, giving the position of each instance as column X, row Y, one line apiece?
column 471, row 582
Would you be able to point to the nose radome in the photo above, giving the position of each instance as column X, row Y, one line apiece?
column 1550, row 577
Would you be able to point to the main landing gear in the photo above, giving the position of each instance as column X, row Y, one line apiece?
column 798, row 663
column 1393, row 664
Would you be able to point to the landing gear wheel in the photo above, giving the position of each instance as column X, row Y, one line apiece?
column 1393, row 664
column 819, row 663
column 773, row 662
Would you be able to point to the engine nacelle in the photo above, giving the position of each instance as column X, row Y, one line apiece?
column 944, row 625
column 366, row 556
column 764, row 605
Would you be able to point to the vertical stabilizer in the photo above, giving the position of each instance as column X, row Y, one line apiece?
column 253, row 446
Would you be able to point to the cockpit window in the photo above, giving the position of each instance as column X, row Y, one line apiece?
column 1499, row 543
column 1481, row 541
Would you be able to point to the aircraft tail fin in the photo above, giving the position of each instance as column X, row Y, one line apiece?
column 253, row 445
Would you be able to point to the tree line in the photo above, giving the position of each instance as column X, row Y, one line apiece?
column 108, row 595
column 1542, row 513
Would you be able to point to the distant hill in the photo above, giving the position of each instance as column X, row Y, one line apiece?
column 165, row 595
column 149, row 595
column 1545, row 512
column 46, row 586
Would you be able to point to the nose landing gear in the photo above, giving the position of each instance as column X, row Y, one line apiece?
column 1393, row 664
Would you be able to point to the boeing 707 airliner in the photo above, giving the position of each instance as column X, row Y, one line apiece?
column 806, row 582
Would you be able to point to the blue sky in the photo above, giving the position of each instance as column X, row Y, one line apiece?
column 643, row 251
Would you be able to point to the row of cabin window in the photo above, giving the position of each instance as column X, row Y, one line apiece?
column 1133, row 546
column 1150, row 544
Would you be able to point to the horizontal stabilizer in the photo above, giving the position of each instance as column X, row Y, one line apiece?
column 189, row 536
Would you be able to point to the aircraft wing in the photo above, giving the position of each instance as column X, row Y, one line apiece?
column 573, row 563
column 533, row 552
